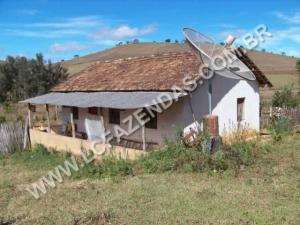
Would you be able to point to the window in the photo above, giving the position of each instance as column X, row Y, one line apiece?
column 93, row 110
column 114, row 116
column 75, row 113
column 152, row 123
column 240, row 109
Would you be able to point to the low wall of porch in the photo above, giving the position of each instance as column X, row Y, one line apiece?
column 75, row 145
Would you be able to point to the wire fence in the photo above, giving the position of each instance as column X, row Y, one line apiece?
column 12, row 137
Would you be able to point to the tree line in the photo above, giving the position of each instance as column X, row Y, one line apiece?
column 22, row 78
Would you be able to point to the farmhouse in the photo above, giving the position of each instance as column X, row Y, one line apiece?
column 96, row 99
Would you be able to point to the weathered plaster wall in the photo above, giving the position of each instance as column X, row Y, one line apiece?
column 179, row 115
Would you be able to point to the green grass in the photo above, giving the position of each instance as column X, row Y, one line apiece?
column 266, row 192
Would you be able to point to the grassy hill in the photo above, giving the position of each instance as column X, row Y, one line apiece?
column 279, row 69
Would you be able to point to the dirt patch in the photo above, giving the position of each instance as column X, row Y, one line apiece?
column 7, row 222
column 101, row 218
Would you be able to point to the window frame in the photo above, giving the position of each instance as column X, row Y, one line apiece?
column 114, row 116
column 240, row 109
column 93, row 110
column 75, row 112
column 152, row 123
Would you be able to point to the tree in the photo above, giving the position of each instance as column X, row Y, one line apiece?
column 168, row 40
column 22, row 78
column 285, row 98
column 136, row 41
column 298, row 66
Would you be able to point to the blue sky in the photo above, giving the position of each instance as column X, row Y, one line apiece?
column 62, row 29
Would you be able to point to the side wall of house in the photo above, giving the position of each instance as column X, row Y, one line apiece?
column 179, row 115
column 225, row 94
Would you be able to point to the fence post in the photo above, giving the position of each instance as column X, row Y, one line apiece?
column 48, row 118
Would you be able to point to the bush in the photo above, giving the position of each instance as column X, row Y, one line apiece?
column 2, row 119
column 281, row 127
column 241, row 153
column 178, row 157
column 39, row 157
column 108, row 167
column 175, row 156
column 284, row 98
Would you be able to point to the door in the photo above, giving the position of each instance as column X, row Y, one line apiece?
column 94, row 128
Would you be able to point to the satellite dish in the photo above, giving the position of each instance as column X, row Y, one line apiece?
column 208, row 50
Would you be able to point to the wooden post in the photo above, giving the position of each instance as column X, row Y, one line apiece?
column 211, row 125
column 29, row 115
column 72, row 124
column 56, row 112
column 48, row 119
column 28, row 126
column 144, row 138
column 191, row 107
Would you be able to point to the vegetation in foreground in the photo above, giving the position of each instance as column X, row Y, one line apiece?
column 255, row 183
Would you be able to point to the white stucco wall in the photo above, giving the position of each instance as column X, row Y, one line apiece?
column 179, row 115
column 225, row 94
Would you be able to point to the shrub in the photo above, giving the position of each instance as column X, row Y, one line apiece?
column 284, row 98
column 39, row 157
column 8, row 108
column 108, row 167
column 2, row 119
column 176, row 156
column 280, row 127
column 112, row 167
column 241, row 153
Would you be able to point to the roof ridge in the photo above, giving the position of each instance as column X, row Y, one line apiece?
column 159, row 55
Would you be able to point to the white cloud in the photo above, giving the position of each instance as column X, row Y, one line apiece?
column 122, row 32
column 75, row 22
column 295, row 18
column 284, row 36
column 284, row 40
column 78, row 26
column 67, row 47
column 44, row 33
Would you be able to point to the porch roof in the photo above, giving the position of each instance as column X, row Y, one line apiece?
column 118, row 100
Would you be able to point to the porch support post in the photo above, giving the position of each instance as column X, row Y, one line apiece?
column 144, row 137
column 48, row 118
column 29, row 115
column 72, row 124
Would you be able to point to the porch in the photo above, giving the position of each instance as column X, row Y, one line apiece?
column 76, row 146
column 86, row 117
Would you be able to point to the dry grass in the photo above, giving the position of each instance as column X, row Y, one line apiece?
column 267, row 193
column 285, row 79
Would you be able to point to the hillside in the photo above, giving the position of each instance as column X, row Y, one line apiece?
column 125, row 51
column 279, row 69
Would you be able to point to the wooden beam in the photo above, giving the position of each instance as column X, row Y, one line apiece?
column 29, row 115
column 144, row 138
column 72, row 125
column 48, row 118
